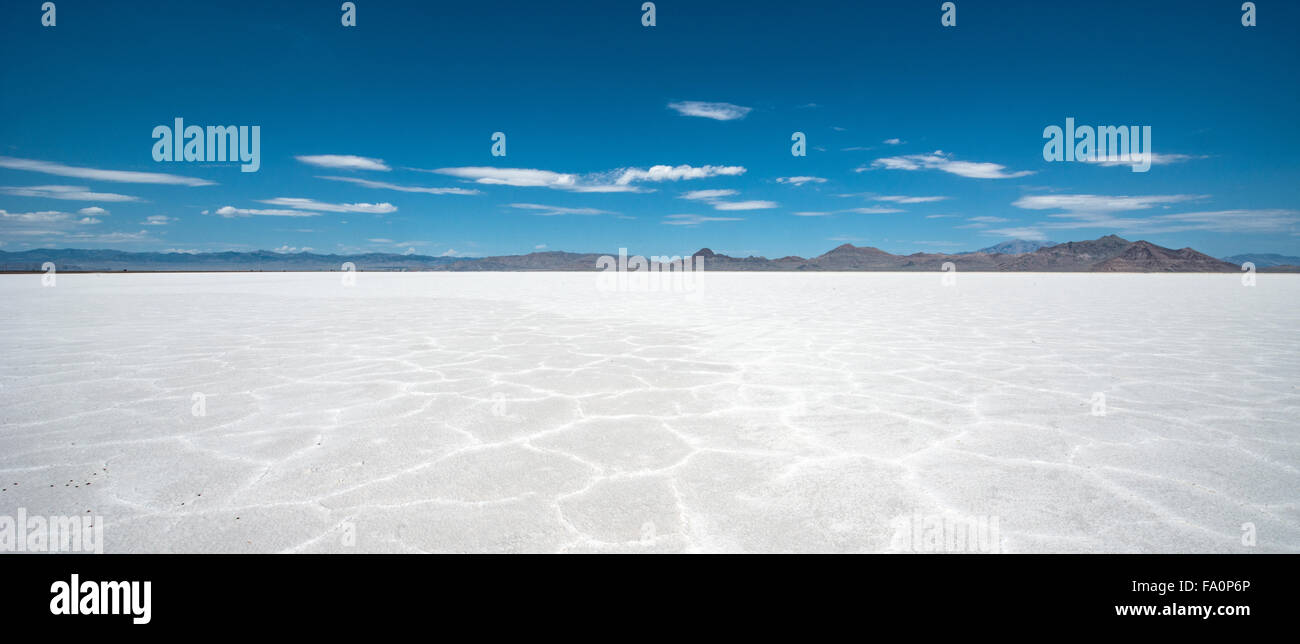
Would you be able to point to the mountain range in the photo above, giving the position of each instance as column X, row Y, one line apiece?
column 1109, row 254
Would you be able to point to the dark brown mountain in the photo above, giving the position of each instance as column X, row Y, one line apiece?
column 1070, row 256
column 1145, row 257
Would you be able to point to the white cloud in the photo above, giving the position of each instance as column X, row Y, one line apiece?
column 1098, row 203
column 602, row 182
column 907, row 200
column 983, row 222
column 344, row 162
column 714, row 198
column 1031, row 234
column 539, row 247
column 745, row 205
column 706, row 195
column 1156, row 159
column 695, row 220
column 158, row 220
column 382, row 185
column 450, row 252
column 183, row 251
column 116, row 176
column 92, row 211
column 312, row 204
column 715, row 111
column 44, row 222
column 110, row 238
column 1220, row 221
column 677, row 173
column 1105, row 212
column 552, row 211
column 893, row 141
column 231, row 211
column 872, row 210
column 292, row 249
column 520, row 177
column 1227, row 221
column 939, row 160
column 69, row 193
column 44, row 216
column 799, row 181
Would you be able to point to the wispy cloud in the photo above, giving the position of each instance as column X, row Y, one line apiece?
column 906, row 200
column 695, row 220
column 715, row 198
column 1098, row 203
column 754, row 204
column 799, row 181
column 521, row 177
column 116, row 176
column 1107, row 212
column 1218, row 221
column 555, row 211
column 383, row 185
column 621, row 180
column 715, row 111
column 983, row 221
column 39, row 217
column 1030, row 234
column 1156, row 159
column 158, row 220
column 67, row 193
column 872, row 210
column 534, row 178
column 708, row 195
column 893, row 141
column 344, row 162
column 231, row 212
column 65, row 227
column 940, row 160
column 312, row 204
column 678, row 173
column 869, row 210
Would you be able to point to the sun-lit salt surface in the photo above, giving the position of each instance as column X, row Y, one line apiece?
column 763, row 412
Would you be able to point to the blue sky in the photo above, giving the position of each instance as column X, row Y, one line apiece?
column 659, row 139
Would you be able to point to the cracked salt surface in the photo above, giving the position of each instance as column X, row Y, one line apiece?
column 768, row 412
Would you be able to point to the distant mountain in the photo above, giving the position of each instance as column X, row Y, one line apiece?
column 69, row 259
column 1105, row 254
column 1013, row 247
column 1264, row 260
column 547, row 261
column 1070, row 256
column 1145, row 257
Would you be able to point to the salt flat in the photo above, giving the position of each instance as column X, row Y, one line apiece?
column 763, row 412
